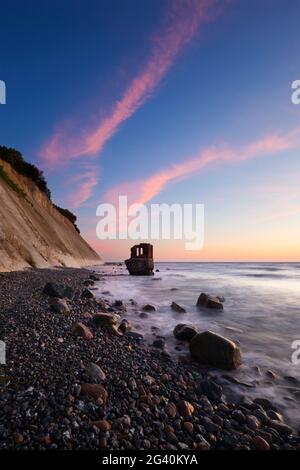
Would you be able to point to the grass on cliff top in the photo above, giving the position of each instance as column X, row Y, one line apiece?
column 4, row 176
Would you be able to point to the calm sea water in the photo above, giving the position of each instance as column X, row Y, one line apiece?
column 261, row 313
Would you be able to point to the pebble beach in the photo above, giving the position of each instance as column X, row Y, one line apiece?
column 78, row 377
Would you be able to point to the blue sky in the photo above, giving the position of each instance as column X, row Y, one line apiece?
column 67, row 63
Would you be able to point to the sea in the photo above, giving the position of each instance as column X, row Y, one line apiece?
column 261, row 313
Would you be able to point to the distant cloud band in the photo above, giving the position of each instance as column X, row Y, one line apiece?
column 144, row 190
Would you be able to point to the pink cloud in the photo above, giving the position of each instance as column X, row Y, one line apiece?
column 83, row 185
column 181, row 25
column 143, row 191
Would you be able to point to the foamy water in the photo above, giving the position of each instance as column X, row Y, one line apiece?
column 261, row 312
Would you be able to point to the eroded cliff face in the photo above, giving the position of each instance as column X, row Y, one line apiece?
column 33, row 233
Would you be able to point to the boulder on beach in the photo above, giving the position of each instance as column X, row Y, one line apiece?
column 135, row 336
column 105, row 319
column 184, row 332
column 177, row 308
column 59, row 305
column 94, row 391
column 79, row 329
column 215, row 350
column 102, row 305
column 87, row 294
column 125, row 326
column 95, row 372
column 185, row 408
column 208, row 301
column 58, row 290
column 159, row 343
column 211, row 389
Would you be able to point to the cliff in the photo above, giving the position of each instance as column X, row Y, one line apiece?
column 33, row 232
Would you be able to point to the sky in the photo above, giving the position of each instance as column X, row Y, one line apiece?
column 166, row 101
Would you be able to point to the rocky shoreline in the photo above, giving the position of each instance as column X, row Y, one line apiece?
column 74, row 379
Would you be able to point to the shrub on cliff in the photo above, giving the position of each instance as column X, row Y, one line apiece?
column 69, row 215
column 15, row 159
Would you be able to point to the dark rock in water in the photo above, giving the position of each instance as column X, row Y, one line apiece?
column 125, row 326
column 114, row 330
column 93, row 277
column 207, row 301
column 149, row 308
column 215, row 350
column 264, row 403
column 143, row 315
column 211, row 389
column 118, row 303
column 105, row 319
column 292, row 380
column 87, row 294
column 177, row 308
column 59, row 290
column 140, row 262
column 88, row 282
column 159, row 343
column 184, row 332
column 102, row 304
column 234, row 380
column 95, row 372
column 271, row 374
column 281, row 427
column 135, row 335
column 59, row 305
column 79, row 329
column 157, row 270
column 274, row 415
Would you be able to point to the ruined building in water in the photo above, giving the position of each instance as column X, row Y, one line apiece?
column 140, row 262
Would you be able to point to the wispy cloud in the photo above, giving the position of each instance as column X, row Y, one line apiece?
column 143, row 191
column 82, row 186
column 181, row 24
column 284, row 214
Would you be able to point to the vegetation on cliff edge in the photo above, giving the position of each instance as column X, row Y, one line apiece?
column 17, row 162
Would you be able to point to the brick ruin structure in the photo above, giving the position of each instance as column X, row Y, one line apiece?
column 140, row 262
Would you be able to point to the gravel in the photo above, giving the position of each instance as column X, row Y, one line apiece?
column 141, row 398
